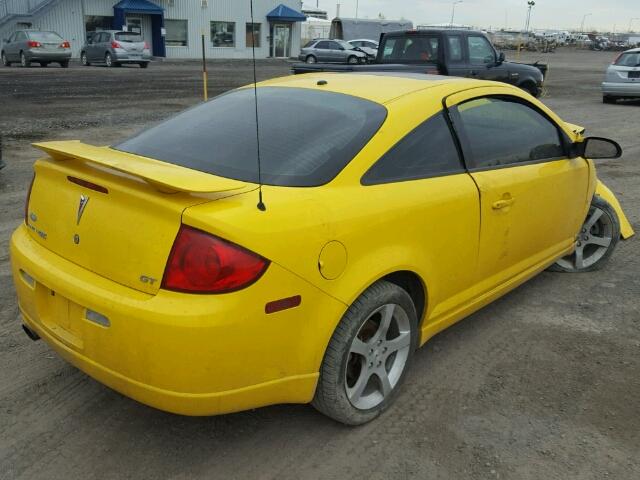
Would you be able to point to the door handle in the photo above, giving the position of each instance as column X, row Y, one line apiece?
column 504, row 203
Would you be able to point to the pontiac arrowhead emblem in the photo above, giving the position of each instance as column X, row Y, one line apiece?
column 83, row 203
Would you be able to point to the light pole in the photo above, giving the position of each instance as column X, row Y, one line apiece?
column 453, row 11
column 356, row 9
column 531, row 3
column 631, row 21
column 584, row 17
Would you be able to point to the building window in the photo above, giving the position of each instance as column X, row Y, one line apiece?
column 223, row 34
column 253, row 35
column 96, row 22
column 177, row 33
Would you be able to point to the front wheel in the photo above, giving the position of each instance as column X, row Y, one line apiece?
column 352, row 60
column 368, row 355
column 84, row 59
column 144, row 64
column 596, row 241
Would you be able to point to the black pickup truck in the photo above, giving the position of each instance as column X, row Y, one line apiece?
column 461, row 53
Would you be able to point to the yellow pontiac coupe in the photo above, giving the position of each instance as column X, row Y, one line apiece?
column 392, row 206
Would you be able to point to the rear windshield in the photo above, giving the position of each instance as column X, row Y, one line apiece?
column 128, row 37
column 306, row 136
column 410, row 49
column 45, row 37
column 629, row 60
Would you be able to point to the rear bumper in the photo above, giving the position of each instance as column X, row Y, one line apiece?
column 621, row 89
column 187, row 354
column 41, row 55
column 124, row 57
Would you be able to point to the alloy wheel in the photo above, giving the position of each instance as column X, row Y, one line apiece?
column 377, row 356
column 595, row 238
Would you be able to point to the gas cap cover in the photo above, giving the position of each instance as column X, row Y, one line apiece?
column 332, row 260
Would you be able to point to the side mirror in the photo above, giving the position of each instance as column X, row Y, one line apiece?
column 598, row 148
column 501, row 58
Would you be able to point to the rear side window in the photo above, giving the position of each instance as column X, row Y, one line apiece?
column 501, row 131
column 427, row 151
column 306, row 136
column 128, row 37
column 45, row 37
column 324, row 45
column 411, row 49
column 455, row 49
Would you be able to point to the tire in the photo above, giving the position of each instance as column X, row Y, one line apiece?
column 608, row 99
column 350, row 388
column 597, row 240
column 44, row 64
column 84, row 59
column 108, row 60
column 352, row 60
column 65, row 64
column 24, row 61
column 5, row 61
column 531, row 89
column 144, row 64
column 310, row 59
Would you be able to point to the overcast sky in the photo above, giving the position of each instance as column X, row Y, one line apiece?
column 562, row 14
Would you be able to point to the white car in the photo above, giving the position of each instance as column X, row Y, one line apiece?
column 370, row 47
column 622, row 79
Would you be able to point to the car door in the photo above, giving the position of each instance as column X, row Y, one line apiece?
column 103, row 44
column 483, row 60
column 17, row 45
column 336, row 53
column 8, row 47
column 532, row 194
column 456, row 63
column 322, row 51
column 90, row 49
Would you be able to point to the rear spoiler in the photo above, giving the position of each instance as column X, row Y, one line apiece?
column 164, row 175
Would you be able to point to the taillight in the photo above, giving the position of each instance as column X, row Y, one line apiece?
column 33, row 44
column 115, row 45
column 65, row 44
column 202, row 263
column 26, row 202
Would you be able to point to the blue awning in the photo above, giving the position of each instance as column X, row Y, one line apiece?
column 138, row 6
column 283, row 13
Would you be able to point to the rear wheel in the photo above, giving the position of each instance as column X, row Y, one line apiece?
column 352, row 60
column 84, row 60
column 144, row 64
column 64, row 64
column 310, row 59
column 5, row 60
column 24, row 61
column 608, row 99
column 597, row 240
column 108, row 60
column 44, row 64
column 368, row 355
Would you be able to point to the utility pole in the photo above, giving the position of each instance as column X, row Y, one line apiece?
column 453, row 11
column 356, row 9
column 530, row 3
column 584, row 17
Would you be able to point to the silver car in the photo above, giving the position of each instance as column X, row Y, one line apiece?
column 331, row 51
column 27, row 46
column 623, row 77
column 114, row 47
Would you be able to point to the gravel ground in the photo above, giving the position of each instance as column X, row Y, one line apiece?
column 542, row 384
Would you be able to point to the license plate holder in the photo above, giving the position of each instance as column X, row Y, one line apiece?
column 634, row 74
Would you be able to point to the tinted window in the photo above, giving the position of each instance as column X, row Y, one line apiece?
column 45, row 37
column 480, row 50
column 629, row 60
column 306, row 136
column 427, row 151
column 309, row 44
column 21, row 36
column 503, row 132
column 455, row 49
column 417, row 49
column 324, row 45
column 128, row 37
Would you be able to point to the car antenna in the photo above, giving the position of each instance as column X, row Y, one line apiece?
column 261, row 206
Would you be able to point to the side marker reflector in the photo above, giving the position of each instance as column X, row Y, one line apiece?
column 98, row 318
column 282, row 304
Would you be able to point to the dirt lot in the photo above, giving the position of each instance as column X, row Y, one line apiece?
column 543, row 384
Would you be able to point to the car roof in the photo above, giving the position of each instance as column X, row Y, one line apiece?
column 379, row 87
column 633, row 50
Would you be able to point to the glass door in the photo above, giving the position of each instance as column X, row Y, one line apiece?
column 282, row 41
column 134, row 24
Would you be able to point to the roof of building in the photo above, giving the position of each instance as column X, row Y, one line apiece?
column 286, row 14
column 138, row 6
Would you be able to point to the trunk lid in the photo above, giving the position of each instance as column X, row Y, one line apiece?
column 114, row 213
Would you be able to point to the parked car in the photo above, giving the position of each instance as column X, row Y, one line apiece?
column 331, row 51
column 462, row 53
column 158, row 268
column 622, row 79
column 43, row 47
column 114, row 48
column 370, row 47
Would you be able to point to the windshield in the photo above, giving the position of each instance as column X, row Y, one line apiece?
column 128, row 37
column 629, row 60
column 45, row 37
column 306, row 136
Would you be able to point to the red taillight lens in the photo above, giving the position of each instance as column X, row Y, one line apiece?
column 33, row 44
column 115, row 45
column 202, row 263
column 26, row 202
column 65, row 44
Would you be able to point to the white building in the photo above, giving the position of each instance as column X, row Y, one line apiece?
column 173, row 28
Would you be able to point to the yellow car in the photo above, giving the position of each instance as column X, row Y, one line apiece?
column 196, row 272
